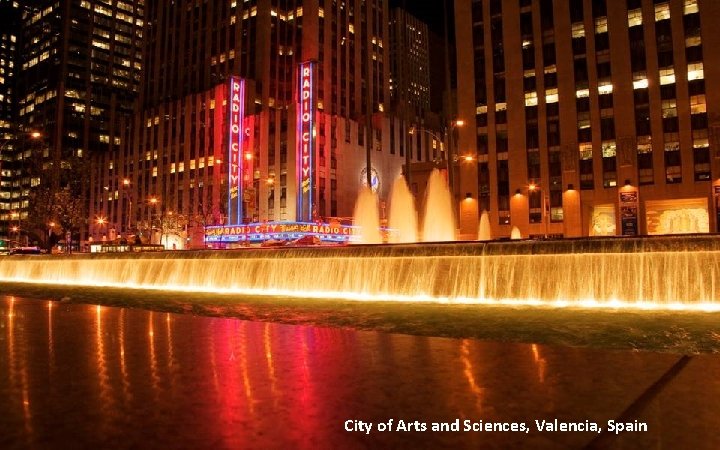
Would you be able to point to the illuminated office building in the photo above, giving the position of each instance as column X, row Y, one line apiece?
column 591, row 117
column 323, row 60
column 78, row 74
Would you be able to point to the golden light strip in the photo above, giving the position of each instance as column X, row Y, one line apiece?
column 616, row 304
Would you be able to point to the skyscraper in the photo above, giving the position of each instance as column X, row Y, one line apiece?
column 79, row 73
column 178, row 154
column 591, row 117
column 409, row 61
column 9, row 42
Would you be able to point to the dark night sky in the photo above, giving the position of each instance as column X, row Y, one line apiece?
column 429, row 11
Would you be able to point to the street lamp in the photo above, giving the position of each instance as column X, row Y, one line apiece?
column 449, row 157
column 51, row 225
column 16, row 230
column 533, row 190
column 126, row 187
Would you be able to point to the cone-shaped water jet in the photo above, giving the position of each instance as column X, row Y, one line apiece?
column 366, row 218
column 515, row 233
column 484, row 232
column 403, row 217
column 439, row 218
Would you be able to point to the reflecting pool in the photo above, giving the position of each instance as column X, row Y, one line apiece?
column 85, row 376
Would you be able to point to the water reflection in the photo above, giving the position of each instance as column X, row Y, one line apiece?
column 105, row 377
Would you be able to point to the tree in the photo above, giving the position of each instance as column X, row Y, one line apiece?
column 69, row 213
column 57, row 196
column 172, row 224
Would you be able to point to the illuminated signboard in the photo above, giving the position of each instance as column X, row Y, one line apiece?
column 235, row 148
column 278, row 230
column 306, row 141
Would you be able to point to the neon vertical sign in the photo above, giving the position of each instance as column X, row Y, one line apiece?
column 306, row 141
column 235, row 149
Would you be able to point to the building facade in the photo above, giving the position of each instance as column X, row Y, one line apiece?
column 409, row 62
column 78, row 75
column 314, row 72
column 590, row 117
column 10, row 13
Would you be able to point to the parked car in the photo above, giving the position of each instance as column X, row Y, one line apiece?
column 309, row 239
column 25, row 251
column 273, row 243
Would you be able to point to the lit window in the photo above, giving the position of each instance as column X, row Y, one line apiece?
column 691, row 7
column 605, row 87
column 662, row 12
column 601, row 25
column 582, row 93
column 644, row 144
column 634, row 17
column 667, row 76
column 697, row 104
column 551, row 95
column 693, row 41
column 586, row 151
column 500, row 106
column 695, row 71
column 531, row 99
column 578, row 30
column 701, row 143
column 669, row 108
column 609, row 149
column 481, row 109
column 641, row 83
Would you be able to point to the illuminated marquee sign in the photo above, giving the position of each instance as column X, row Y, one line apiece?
column 235, row 148
column 284, row 231
column 306, row 141
column 275, row 228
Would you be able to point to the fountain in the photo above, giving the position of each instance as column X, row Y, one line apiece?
column 438, row 221
column 366, row 218
column 403, row 217
column 515, row 233
column 646, row 273
column 484, row 232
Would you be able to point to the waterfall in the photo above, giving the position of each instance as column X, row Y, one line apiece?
column 670, row 272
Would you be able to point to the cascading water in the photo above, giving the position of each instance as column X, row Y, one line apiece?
column 484, row 232
column 403, row 217
column 366, row 218
column 439, row 218
column 665, row 273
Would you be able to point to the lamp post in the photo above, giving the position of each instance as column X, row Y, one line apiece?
column 535, row 189
column 51, row 225
column 449, row 157
column 450, row 133
column 126, row 191
column 101, row 221
column 153, row 201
